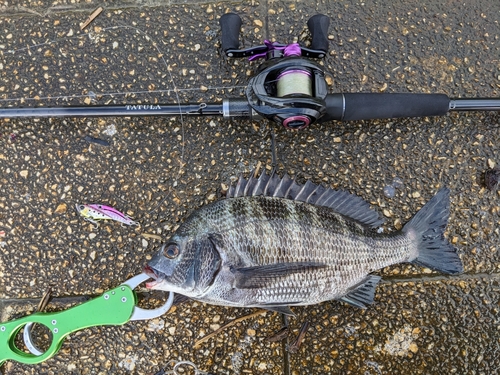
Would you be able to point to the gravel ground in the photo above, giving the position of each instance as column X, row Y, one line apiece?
column 158, row 170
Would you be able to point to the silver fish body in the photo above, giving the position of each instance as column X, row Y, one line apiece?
column 274, row 243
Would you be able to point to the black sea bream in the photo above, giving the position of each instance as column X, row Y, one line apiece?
column 273, row 243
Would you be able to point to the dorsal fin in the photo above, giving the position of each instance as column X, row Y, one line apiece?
column 273, row 186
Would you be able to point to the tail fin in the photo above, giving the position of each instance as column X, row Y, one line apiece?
column 427, row 228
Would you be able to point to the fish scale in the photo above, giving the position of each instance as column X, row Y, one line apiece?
column 310, row 244
column 274, row 243
column 291, row 240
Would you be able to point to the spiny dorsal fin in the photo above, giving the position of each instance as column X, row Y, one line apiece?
column 273, row 186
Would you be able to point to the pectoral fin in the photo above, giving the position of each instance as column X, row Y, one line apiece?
column 363, row 293
column 262, row 276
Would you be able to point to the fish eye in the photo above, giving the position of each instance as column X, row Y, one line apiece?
column 171, row 251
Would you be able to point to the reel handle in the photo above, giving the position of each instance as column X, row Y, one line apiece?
column 318, row 26
column 230, row 24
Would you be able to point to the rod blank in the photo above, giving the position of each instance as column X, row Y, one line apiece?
column 128, row 110
column 476, row 104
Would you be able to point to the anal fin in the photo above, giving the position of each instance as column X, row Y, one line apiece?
column 362, row 294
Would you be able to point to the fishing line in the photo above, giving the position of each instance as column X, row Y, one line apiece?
column 118, row 93
column 181, row 116
column 286, row 84
column 92, row 35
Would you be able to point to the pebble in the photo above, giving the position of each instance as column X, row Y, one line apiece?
column 389, row 191
column 62, row 208
column 128, row 363
column 397, row 182
column 262, row 366
column 402, row 342
column 110, row 130
column 155, row 325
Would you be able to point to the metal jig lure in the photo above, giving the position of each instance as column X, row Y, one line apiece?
column 95, row 212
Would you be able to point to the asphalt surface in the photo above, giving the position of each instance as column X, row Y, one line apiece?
column 158, row 170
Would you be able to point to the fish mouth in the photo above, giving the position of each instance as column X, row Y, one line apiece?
column 154, row 275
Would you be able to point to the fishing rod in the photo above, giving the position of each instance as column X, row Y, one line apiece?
column 289, row 89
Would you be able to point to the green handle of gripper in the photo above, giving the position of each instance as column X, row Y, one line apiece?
column 115, row 307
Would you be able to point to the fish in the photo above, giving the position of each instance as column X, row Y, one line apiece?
column 95, row 212
column 273, row 243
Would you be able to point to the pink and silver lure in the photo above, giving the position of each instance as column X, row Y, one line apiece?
column 96, row 212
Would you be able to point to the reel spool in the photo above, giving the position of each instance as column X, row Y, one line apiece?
column 294, row 83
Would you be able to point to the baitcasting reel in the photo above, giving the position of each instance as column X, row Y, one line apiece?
column 289, row 89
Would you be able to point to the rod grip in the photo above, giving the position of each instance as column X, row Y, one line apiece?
column 230, row 24
column 318, row 26
column 371, row 106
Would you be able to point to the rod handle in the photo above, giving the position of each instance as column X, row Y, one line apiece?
column 371, row 106
column 230, row 24
column 318, row 26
